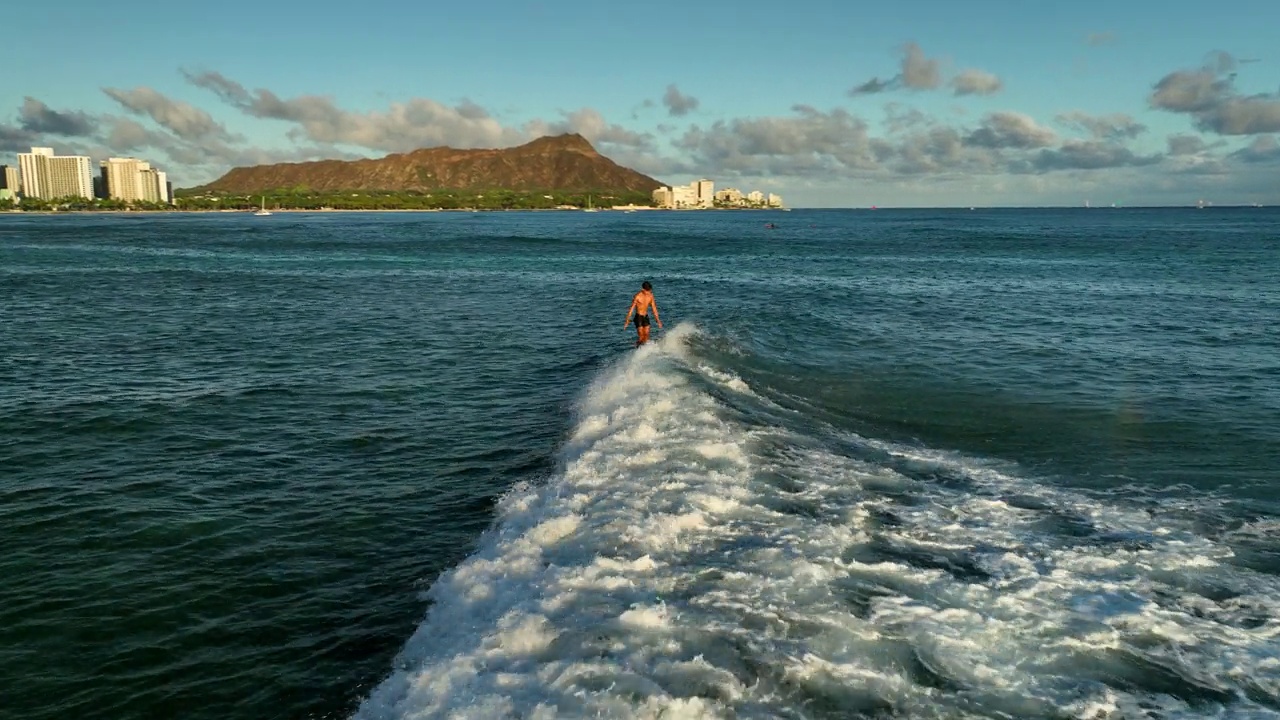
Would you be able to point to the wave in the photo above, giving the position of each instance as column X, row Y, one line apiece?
column 685, row 561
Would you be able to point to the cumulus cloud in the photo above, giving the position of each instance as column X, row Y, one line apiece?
column 36, row 117
column 917, row 71
column 415, row 123
column 976, row 82
column 185, row 140
column 16, row 139
column 1010, row 130
column 1263, row 149
column 590, row 124
column 419, row 122
column 810, row 141
column 1190, row 91
column 677, row 103
column 910, row 151
column 835, row 144
column 899, row 118
column 1244, row 116
column 182, row 119
column 1091, row 155
column 1116, row 126
column 1209, row 96
column 872, row 86
column 1186, row 145
column 942, row 150
column 128, row 135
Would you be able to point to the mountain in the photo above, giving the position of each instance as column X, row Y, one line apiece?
column 562, row 163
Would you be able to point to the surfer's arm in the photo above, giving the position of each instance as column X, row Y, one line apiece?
column 629, row 310
column 654, row 304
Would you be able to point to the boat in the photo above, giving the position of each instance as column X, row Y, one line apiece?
column 590, row 207
column 263, row 210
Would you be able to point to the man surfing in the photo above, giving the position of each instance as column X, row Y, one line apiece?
column 640, row 305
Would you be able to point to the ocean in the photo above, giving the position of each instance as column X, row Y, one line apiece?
column 892, row 463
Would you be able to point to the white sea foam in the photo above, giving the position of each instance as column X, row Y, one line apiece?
column 682, row 565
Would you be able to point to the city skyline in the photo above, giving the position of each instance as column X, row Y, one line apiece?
column 992, row 103
column 42, row 174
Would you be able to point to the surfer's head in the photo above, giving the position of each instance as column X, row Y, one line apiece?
column 646, row 285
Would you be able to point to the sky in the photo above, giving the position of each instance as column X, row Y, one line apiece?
column 832, row 103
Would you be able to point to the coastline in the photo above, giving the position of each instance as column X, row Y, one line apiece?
column 282, row 211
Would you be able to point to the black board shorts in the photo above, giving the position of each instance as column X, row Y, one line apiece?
column 642, row 321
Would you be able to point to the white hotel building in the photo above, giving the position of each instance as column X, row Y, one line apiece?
column 701, row 194
column 697, row 194
column 41, row 174
column 133, row 180
column 47, row 176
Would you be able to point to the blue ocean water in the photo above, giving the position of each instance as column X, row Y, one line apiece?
column 990, row 463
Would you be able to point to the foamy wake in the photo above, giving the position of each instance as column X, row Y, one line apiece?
column 684, row 566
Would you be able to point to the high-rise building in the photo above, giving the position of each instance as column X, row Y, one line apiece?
column 123, row 178
column 697, row 194
column 704, row 192
column 9, row 178
column 684, row 196
column 48, row 176
column 134, row 180
column 33, row 167
column 71, row 176
column 729, row 196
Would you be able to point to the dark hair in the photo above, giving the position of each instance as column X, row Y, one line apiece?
column 646, row 285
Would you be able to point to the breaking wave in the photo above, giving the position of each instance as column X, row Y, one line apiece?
column 688, row 562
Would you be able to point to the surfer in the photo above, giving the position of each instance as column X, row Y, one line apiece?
column 640, row 305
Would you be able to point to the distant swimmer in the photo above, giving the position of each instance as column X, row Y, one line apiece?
column 640, row 305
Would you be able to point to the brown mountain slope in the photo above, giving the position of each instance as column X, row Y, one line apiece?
column 563, row 162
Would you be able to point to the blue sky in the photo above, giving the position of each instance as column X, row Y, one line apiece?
column 960, row 103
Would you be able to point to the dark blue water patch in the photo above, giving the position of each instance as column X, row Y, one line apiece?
column 960, row 564
column 860, row 595
column 1135, row 671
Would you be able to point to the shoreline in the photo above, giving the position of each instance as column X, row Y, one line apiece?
column 372, row 210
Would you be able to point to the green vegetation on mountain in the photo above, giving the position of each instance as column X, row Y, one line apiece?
column 563, row 163
column 302, row 198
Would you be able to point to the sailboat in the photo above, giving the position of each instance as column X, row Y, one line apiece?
column 590, row 207
column 264, row 210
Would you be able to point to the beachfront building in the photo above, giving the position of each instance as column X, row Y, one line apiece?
column 729, row 196
column 9, row 178
column 134, row 180
column 684, row 197
column 45, row 175
column 733, row 198
column 704, row 193
column 663, row 198
column 698, row 194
